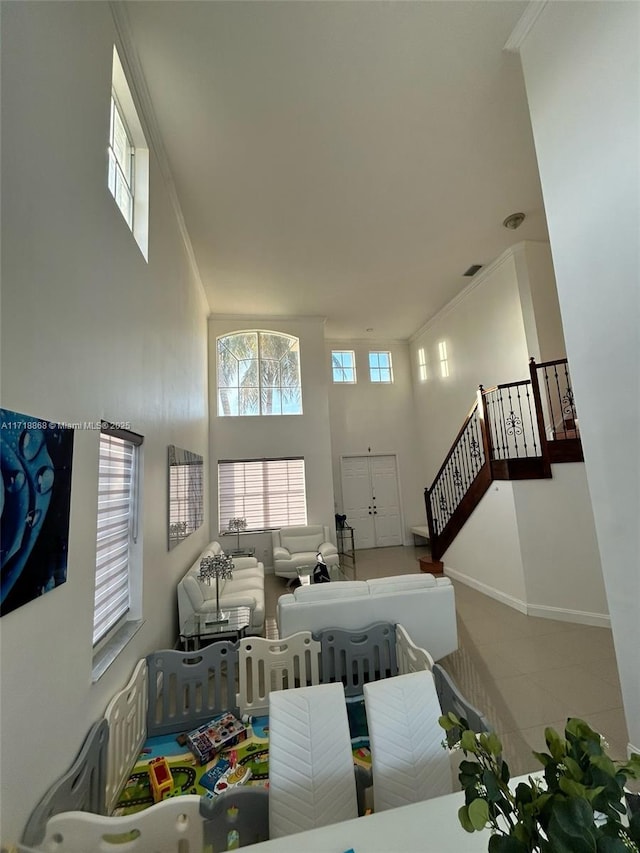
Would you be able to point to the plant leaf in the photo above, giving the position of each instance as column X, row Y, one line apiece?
column 604, row 763
column 478, row 812
column 571, row 788
column 557, row 745
column 506, row 844
column 468, row 741
column 463, row 817
column 491, row 784
column 571, row 828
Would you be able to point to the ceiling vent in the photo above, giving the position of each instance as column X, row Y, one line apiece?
column 473, row 269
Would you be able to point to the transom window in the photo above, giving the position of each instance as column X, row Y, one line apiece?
column 121, row 163
column 343, row 365
column 128, row 173
column 259, row 374
column 380, row 369
column 269, row 493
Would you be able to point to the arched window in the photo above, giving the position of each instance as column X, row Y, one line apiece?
column 259, row 374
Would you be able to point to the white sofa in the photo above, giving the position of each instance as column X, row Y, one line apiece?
column 244, row 589
column 295, row 547
column 424, row 605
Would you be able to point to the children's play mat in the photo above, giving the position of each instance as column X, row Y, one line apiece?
column 188, row 776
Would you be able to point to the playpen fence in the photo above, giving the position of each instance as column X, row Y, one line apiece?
column 178, row 691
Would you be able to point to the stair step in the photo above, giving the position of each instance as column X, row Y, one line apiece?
column 432, row 567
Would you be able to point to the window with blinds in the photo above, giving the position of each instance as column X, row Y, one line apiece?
column 269, row 493
column 117, row 523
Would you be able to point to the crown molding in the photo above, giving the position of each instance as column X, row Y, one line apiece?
column 372, row 341
column 477, row 280
column 268, row 318
column 524, row 26
column 144, row 107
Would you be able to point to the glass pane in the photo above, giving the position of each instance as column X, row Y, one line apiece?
column 291, row 401
column 227, row 401
column 112, row 172
column 242, row 345
column 269, row 373
column 227, row 368
column 248, row 372
column 273, row 345
column 290, row 369
column 248, row 401
column 123, row 197
column 121, row 146
column 271, row 401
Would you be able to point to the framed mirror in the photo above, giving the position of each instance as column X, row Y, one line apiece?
column 186, row 494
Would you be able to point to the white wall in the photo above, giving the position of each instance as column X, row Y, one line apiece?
column 531, row 544
column 539, row 301
column 486, row 553
column 581, row 69
column 306, row 435
column 484, row 332
column 563, row 575
column 77, row 295
column 374, row 418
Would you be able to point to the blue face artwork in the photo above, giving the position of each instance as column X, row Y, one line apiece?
column 35, row 496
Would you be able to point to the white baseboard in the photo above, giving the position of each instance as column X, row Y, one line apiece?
column 492, row 592
column 631, row 749
column 562, row 614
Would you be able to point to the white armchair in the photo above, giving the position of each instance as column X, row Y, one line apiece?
column 295, row 547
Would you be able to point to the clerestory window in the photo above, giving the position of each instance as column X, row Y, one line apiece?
column 343, row 366
column 259, row 374
column 380, row 369
column 128, row 172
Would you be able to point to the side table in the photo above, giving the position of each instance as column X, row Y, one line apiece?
column 240, row 552
column 199, row 629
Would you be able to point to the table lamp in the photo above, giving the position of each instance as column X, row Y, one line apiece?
column 238, row 524
column 219, row 566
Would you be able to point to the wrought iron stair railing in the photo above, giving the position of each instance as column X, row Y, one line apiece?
column 513, row 431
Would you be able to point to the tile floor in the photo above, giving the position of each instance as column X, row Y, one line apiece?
column 524, row 672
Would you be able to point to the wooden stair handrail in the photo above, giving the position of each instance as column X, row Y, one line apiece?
column 453, row 446
column 485, row 475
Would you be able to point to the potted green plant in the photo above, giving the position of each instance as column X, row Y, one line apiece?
column 576, row 804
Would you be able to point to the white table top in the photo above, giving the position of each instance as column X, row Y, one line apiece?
column 431, row 826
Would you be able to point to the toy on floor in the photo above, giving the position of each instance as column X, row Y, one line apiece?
column 160, row 778
column 219, row 733
column 233, row 777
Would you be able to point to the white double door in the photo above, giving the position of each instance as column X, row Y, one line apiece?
column 371, row 502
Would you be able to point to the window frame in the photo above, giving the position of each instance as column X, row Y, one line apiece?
column 344, row 367
column 253, row 504
column 109, row 639
column 378, row 369
column 225, row 393
column 122, row 100
column 116, row 168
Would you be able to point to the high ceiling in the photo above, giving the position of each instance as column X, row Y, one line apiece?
column 344, row 159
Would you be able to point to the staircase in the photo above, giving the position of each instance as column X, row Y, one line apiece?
column 513, row 431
